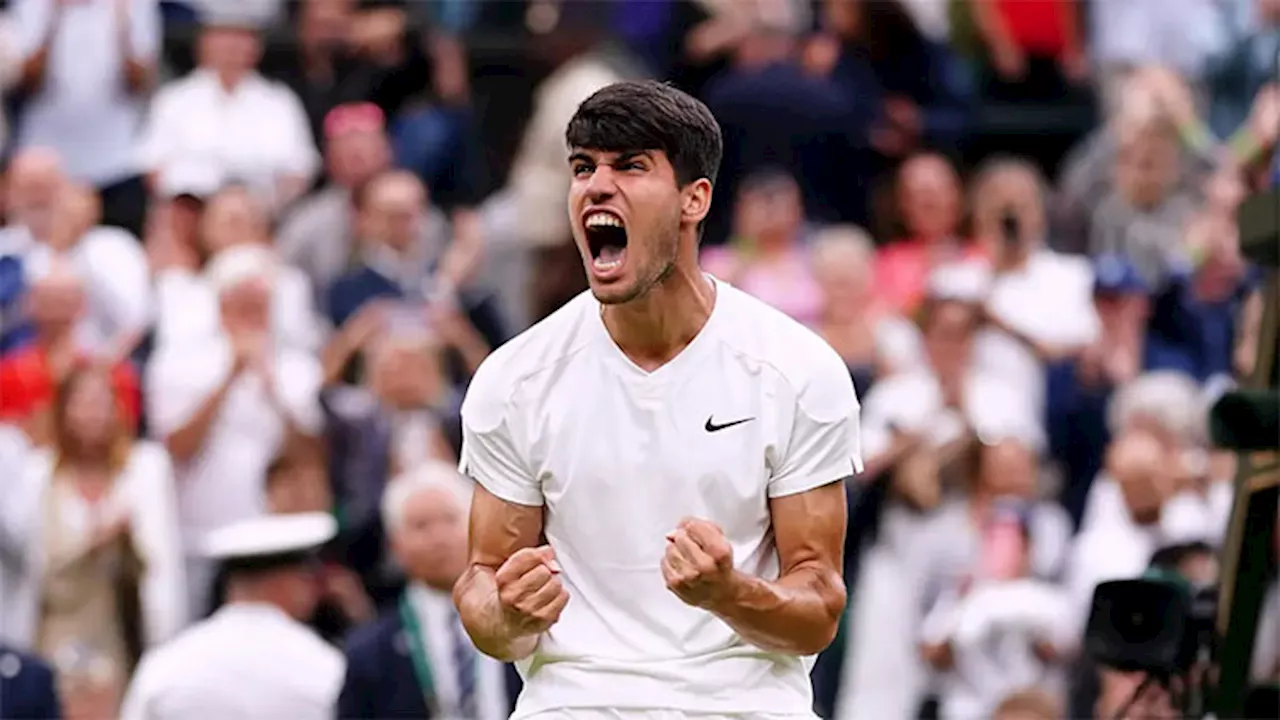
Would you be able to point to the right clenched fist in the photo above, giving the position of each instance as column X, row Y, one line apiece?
column 529, row 590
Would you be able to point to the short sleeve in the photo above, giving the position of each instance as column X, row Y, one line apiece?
column 490, row 452
column 825, row 442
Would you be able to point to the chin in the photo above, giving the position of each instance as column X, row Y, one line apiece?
column 615, row 294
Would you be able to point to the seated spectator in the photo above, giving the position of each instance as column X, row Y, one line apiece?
column 228, row 405
column 89, row 67
column 425, row 512
column 767, row 256
column 318, row 234
column 119, row 302
column 1001, row 627
column 871, row 340
column 930, row 206
column 398, row 261
column 1144, row 215
column 31, row 376
column 405, row 414
column 91, row 507
column 1039, row 308
column 33, row 187
column 225, row 113
column 233, row 218
column 1154, row 489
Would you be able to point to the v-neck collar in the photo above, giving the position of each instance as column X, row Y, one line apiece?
column 688, row 355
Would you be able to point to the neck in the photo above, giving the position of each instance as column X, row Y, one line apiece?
column 654, row 328
column 87, row 457
column 256, row 592
column 53, row 338
column 229, row 79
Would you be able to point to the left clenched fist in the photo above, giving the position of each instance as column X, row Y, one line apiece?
column 698, row 564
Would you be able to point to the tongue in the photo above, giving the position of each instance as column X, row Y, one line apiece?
column 610, row 254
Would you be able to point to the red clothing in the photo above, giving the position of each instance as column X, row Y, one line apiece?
column 27, row 386
column 1038, row 26
column 902, row 272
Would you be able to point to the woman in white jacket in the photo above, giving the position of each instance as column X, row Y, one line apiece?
column 94, row 569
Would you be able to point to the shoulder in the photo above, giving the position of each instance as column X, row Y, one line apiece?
column 149, row 464
column 542, row 347
column 803, row 360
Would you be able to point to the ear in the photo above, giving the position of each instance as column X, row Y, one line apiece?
column 695, row 201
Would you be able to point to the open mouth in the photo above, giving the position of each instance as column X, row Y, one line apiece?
column 607, row 241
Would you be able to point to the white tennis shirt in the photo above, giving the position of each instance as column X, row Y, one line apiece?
column 756, row 407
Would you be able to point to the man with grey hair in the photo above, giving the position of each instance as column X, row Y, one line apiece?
column 417, row 660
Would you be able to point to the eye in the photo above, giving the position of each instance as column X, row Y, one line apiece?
column 580, row 169
column 633, row 166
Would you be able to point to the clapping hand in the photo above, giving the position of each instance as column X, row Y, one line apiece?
column 698, row 564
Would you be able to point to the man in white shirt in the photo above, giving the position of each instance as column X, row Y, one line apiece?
column 681, row 447
column 229, row 405
column 254, row 659
column 425, row 516
column 255, row 131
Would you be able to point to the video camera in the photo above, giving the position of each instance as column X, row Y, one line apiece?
column 1158, row 624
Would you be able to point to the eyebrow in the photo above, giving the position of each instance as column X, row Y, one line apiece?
column 581, row 156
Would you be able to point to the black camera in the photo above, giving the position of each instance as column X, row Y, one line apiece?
column 1158, row 624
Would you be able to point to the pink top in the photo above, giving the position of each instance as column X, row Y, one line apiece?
column 785, row 282
column 902, row 272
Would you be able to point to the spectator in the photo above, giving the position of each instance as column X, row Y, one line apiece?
column 425, row 512
column 767, row 256
column 405, row 414
column 871, row 340
column 96, row 60
column 397, row 260
column 318, row 234
column 91, row 507
column 233, row 218
column 227, row 116
column 930, row 204
column 1239, row 74
column 228, row 406
column 31, row 376
column 271, row 589
column 1039, row 307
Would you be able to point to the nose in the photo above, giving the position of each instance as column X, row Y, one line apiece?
column 601, row 185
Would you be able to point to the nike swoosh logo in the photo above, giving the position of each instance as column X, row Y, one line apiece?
column 712, row 427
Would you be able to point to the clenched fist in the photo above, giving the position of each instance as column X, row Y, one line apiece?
column 698, row 565
column 530, row 591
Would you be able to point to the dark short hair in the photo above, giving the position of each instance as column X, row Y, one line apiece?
column 633, row 116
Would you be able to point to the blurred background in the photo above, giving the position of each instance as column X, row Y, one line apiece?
column 253, row 250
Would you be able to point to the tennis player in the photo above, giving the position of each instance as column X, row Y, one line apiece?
column 659, row 520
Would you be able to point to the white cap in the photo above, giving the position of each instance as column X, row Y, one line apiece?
column 270, row 536
column 238, row 264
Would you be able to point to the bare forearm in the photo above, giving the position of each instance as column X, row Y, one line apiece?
column 476, row 596
column 798, row 614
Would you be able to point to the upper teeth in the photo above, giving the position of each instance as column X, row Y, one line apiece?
column 603, row 218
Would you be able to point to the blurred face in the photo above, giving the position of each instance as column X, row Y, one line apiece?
column 406, row 375
column 1146, row 167
column 929, row 197
column 395, row 210
column 246, row 307
column 91, row 410
column 842, row 17
column 357, row 156
column 1008, row 468
column 948, row 339
column 844, row 274
column 34, row 190
column 627, row 211
column 770, row 216
column 300, row 589
column 431, row 540
column 325, row 22
column 78, row 210
column 232, row 217
column 229, row 51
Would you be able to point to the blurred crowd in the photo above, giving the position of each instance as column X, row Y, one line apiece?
column 253, row 250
